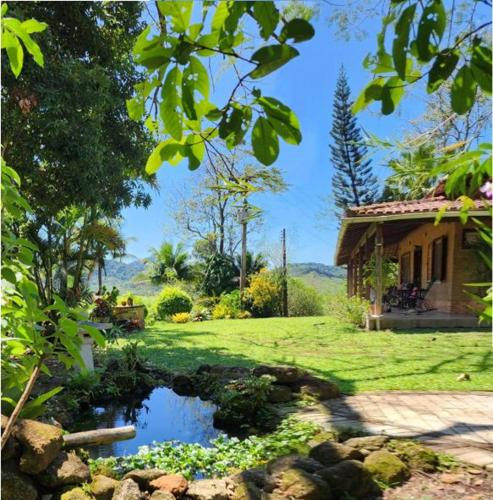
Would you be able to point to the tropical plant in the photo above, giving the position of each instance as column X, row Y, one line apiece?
column 303, row 300
column 219, row 275
column 169, row 263
column 173, row 300
column 353, row 182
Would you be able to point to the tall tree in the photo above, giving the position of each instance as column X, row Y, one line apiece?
column 353, row 182
column 169, row 263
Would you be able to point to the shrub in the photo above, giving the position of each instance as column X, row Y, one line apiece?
column 200, row 314
column 350, row 309
column 264, row 293
column 244, row 315
column 303, row 300
column 221, row 311
column 229, row 306
column 172, row 300
column 180, row 318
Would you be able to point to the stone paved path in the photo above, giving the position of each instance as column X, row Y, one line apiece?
column 457, row 423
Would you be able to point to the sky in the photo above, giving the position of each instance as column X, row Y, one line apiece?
column 306, row 84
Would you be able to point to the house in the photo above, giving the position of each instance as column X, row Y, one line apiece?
column 438, row 259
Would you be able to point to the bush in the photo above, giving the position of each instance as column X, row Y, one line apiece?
column 229, row 306
column 180, row 318
column 172, row 300
column 200, row 314
column 263, row 296
column 244, row 315
column 303, row 300
column 350, row 309
column 221, row 311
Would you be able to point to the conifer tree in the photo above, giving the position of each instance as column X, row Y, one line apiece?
column 353, row 182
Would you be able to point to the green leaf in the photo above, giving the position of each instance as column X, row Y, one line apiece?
column 180, row 13
column 220, row 15
column 95, row 334
column 31, row 46
column 164, row 151
column 265, row 142
column 271, row 58
column 267, row 17
column 194, row 151
column 372, row 92
column 14, row 52
column 445, row 63
column 135, row 108
column 198, row 73
column 401, row 41
column 298, row 30
column 392, row 93
column 481, row 66
column 69, row 326
column 170, row 108
column 234, row 125
column 33, row 26
column 5, row 8
column 463, row 92
column 34, row 408
column 282, row 118
column 154, row 57
column 431, row 26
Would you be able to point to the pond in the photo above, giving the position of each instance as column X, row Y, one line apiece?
column 162, row 416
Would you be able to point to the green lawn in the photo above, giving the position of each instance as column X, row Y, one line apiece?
column 357, row 360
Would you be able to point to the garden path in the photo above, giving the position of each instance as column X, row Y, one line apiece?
column 457, row 423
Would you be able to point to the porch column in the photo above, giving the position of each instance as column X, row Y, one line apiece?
column 360, row 273
column 379, row 268
column 350, row 278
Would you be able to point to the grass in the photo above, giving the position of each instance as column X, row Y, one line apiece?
column 356, row 360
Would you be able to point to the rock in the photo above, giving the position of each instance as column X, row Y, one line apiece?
column 162, row 495
column 208, row 489
column 127, row 490
column 450, row 478
column 330, row 453
column 255, row 475
column 386, row 467
column 349, row 478
column 299, row 484
column 41, row 443
column 172, row 483
column 143, row 477
column 12, row 449
column 203, row 369
column 317, row 388
column 284, row 374
column 184, row 386
column 15, row 484
column 67, row 468
column 75, row 494
column 103, row 487
column 370, row 443
column 416, row 455
column 280, row 394
column 246, row 491
column 279, row 465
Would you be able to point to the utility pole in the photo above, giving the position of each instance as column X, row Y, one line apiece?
column 284, row 276
column 243, row 220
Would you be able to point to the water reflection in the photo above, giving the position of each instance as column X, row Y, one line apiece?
column 162, row 416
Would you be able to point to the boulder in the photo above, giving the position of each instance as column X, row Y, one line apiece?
column 299, row 484
column 280, row 394
column 255, row 475
column 75, row 494
column 171, row 483
column 41, row 443
column 279, row 465
column 349, row 479
column 370, row 443
column 15, row 484
column 67, row 468
column 127, row 490
column 12, row 449
column 184, row 386
column 416, row 455
column 162, row 495
column 283, row 374
column 103, row 487
column 208, row 489
column 143, row 477
column 330, row 453
column 386, row 467
column 246, row 491
column 316, row 388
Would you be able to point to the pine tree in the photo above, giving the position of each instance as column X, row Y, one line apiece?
column 353, row 183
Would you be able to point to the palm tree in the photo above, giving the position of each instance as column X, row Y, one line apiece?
column 168, row 263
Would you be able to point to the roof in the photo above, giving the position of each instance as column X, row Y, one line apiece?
column 400, row 218
column 411, row 207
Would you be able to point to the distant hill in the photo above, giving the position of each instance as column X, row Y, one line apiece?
column 123, row 275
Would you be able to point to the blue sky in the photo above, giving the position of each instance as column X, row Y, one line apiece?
column 306, row 84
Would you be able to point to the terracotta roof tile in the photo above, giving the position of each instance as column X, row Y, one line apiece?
column 411, row 206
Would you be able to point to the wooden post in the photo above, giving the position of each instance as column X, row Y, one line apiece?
column 360, row 273
column 284, row 276
column 99, row 436
column 244, row 215
column 350, row 278
column 379, row 269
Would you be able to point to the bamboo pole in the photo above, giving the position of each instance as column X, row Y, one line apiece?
column 379, row 270
column 99, row 436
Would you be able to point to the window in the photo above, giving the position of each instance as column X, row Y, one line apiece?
column 439, row 259
column 406, row 267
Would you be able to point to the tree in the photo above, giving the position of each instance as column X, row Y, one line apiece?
column 169, row 263
column 353, row 182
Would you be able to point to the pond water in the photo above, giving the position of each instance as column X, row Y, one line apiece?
column 162, row 416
